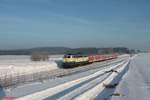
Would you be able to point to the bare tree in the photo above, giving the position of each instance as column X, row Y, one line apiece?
column 40, row 56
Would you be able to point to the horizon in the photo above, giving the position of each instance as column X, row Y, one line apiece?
column 5, row 49
column 74, row 24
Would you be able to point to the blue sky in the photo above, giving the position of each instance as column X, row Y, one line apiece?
column 74, row 23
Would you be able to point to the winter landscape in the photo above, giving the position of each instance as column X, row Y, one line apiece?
column 131, row 79
column 74, row 50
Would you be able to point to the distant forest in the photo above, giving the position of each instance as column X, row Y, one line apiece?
column 65, row 50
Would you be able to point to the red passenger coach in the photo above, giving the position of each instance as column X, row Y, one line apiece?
column 98, row 58
column 90, row 59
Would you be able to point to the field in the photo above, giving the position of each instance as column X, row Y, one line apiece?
column 14, row 66
column 136, row 83
column 131, row 76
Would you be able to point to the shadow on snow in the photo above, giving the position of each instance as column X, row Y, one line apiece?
column 107, row 93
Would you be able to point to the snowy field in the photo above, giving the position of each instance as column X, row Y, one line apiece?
column 20, row 63
column 16, row 70
column 73, row 85
column 23, row 60
column 76, row 83
column 135, row 85
column 13, row 66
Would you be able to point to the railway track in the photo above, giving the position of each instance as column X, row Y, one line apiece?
column 82, row 88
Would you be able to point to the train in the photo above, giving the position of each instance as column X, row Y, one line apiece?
column 74, row 60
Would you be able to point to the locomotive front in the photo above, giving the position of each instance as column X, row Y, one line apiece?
column 72, row 60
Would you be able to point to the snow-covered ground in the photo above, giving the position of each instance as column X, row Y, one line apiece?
column 79, row 85
column 23, row 65
column 15, row 70
column 13, row 66
column 77, row 88
column 135, row 85
column 38, row 86
column 23, row 60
